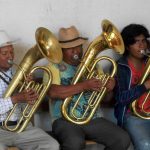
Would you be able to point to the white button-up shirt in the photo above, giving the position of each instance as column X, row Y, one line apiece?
column 5, row 103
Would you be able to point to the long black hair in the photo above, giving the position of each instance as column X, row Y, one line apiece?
column 130, row 32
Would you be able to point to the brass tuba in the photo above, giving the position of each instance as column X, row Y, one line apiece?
column 110, row 38
column 142, row 113
column 48, row 47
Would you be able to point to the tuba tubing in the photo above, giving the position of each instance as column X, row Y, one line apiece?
column 47, row 46
column 110, row 38
column 143, row 114
column 99, row 96
column 29, row 110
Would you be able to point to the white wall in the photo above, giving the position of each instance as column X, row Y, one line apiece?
column 21, row 18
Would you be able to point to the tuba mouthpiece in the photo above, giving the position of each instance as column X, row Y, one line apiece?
column 142, row 51
column 75, row 57
column 145, row 52
column 10, row 62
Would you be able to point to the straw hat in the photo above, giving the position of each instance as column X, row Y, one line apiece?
column 5, row 39
column 69, row 37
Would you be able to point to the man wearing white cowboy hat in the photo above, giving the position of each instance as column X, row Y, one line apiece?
column 32, row 138
column 71, row 136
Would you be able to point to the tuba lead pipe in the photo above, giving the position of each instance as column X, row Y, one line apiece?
column 47, row 46
column 110, row 38
column 134, row 105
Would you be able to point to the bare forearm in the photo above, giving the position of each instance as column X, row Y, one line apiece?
column 61, row 91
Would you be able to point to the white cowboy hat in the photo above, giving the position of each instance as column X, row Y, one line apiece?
column 5, row 39
column 69, row 37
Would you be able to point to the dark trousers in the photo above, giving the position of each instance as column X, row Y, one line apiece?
column 100, row 130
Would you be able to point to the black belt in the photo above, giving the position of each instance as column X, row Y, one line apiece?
column 9, row 123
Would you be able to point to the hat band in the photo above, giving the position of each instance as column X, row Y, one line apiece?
column 73, row 40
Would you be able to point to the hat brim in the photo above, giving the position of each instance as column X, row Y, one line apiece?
column 73, row 43
column 9, row 43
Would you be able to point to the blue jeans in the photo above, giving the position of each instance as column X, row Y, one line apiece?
column 139, row 130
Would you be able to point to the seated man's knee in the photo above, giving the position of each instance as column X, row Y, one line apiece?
column 123, row 139
column 143, row 144
column 54, row 145
column 2, row 147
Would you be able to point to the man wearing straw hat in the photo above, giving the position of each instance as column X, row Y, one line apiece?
column 69, row 135
column 32, row 138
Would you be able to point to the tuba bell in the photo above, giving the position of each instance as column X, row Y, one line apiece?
column 48, row 47
column 110, row 38
column 141, row 111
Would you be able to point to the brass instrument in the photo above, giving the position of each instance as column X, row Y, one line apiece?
column 110, row 38
column 48, row 47
column 142, row 113
column 29, row 109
